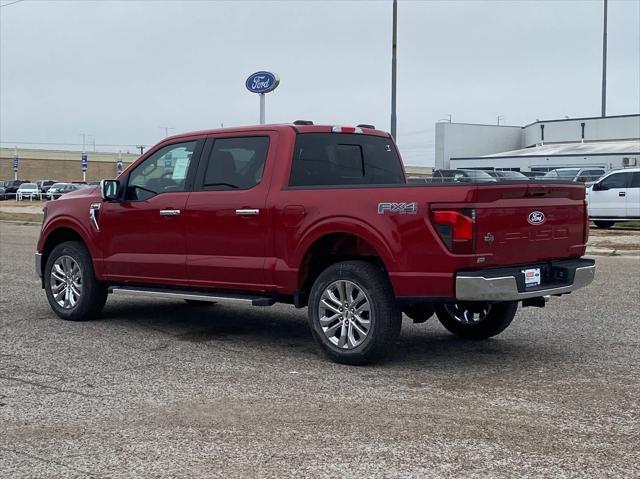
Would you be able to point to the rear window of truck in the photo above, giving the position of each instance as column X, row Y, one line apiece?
column 335, row 159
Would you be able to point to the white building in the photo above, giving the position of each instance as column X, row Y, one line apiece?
column 611, row 142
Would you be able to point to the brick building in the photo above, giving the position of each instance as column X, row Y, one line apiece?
column 59, row 165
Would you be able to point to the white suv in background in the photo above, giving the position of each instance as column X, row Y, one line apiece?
column 615, row 197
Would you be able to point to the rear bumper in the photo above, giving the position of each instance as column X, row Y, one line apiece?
column 507, row 284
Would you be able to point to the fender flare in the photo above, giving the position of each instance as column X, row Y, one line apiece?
column 346, row 225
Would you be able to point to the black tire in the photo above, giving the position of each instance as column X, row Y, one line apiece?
column 385, row 318
column 496, row 320
column 419, row 313
column 93, row 293
column 198, row 304
column 604, row 224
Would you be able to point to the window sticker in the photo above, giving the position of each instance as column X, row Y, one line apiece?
column 180, row 169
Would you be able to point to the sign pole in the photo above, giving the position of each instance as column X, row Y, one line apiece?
column 15, row 162
column 85, row 163
column 262, row 83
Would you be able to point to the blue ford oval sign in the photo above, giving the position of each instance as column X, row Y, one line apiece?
column 262, row 82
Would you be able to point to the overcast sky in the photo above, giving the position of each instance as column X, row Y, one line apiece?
column 119, row 70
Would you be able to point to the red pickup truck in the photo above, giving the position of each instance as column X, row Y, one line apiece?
column 316, row 216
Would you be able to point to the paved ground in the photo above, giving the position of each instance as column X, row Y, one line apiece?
column 159, row 389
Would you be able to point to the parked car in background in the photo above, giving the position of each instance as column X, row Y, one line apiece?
column 533, row 174
column 11, row 187
column 59, row 189
column 615, row 197
column 506, row 175
column 461, row 176
column 28, row 190
column 44, row 185
column 581, row 175
column 2, row 191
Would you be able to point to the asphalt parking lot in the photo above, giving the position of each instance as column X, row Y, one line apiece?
column 157, row 388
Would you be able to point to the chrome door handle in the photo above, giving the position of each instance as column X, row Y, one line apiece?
column 622, row 193
column 169, row 212
column 247, row 212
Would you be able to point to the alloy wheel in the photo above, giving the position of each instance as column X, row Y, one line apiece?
column 66, row 282
column 345, row 314
column 472, row 313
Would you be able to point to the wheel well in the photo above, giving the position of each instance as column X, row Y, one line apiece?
column 57, row 236
column 330, row 249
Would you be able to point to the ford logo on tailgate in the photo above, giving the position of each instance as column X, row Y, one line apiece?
column 262, row 82
column 536, row 218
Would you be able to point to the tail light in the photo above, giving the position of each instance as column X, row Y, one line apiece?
column 456, row 229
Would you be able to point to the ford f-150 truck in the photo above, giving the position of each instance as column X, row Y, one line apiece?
column 316, row 216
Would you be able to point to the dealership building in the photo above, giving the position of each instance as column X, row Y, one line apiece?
column 60, row 165
column 611, row 142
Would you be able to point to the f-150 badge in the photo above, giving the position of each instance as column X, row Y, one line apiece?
column 400, row 208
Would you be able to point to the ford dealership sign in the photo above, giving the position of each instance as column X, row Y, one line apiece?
column 262, row 82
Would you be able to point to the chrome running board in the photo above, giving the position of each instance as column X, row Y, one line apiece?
column 192, row 295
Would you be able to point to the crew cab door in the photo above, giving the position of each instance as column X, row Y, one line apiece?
column 143, row 235
column 227, row 220
column 609, row 198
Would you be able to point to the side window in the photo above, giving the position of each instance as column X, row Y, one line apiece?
column 616, row 180
column 635, row 180
column 163, row 172
column 329, row 159
column 590, row 175
column 236, row 163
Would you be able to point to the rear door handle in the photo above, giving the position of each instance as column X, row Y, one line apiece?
column 169, row 212
column 622, row 193
column 247, row 212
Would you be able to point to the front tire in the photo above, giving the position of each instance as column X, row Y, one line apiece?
column 476, row 320
column 604, row 224
column 70, row 283
column 353, row 314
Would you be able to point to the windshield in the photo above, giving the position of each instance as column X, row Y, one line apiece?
column 27, row 186
column 477, row 174
column 512, row 174
column 55, row 186
column 569, row 173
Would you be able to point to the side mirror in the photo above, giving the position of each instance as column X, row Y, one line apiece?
column 109, row 190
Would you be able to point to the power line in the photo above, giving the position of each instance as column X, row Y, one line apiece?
column 67, row 144
column 11, row 3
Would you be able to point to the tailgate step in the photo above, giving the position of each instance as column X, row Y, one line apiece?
column 193, row 295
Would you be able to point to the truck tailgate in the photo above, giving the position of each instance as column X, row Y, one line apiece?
column 532, row 222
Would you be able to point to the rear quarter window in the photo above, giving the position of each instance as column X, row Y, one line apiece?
column 334, row 159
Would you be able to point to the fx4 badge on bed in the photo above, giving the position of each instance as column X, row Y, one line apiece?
column 400, row 208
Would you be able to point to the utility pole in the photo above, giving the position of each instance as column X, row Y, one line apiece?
column 166, row 130
column 500, row 118
column 604, row 62
column 141, row 148
column 393, row 68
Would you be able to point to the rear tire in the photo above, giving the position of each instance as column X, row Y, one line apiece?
column 198, row 304
column 492, row 319
column 604, row 224
column 70, row 283
column 419, row 313
column 353, row 314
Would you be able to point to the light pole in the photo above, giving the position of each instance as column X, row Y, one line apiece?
column 166, row 130
column 604, row 62
column 393, row 68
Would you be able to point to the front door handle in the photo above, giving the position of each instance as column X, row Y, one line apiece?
column 169, row 212
column 247, row 212
column 622, row 193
